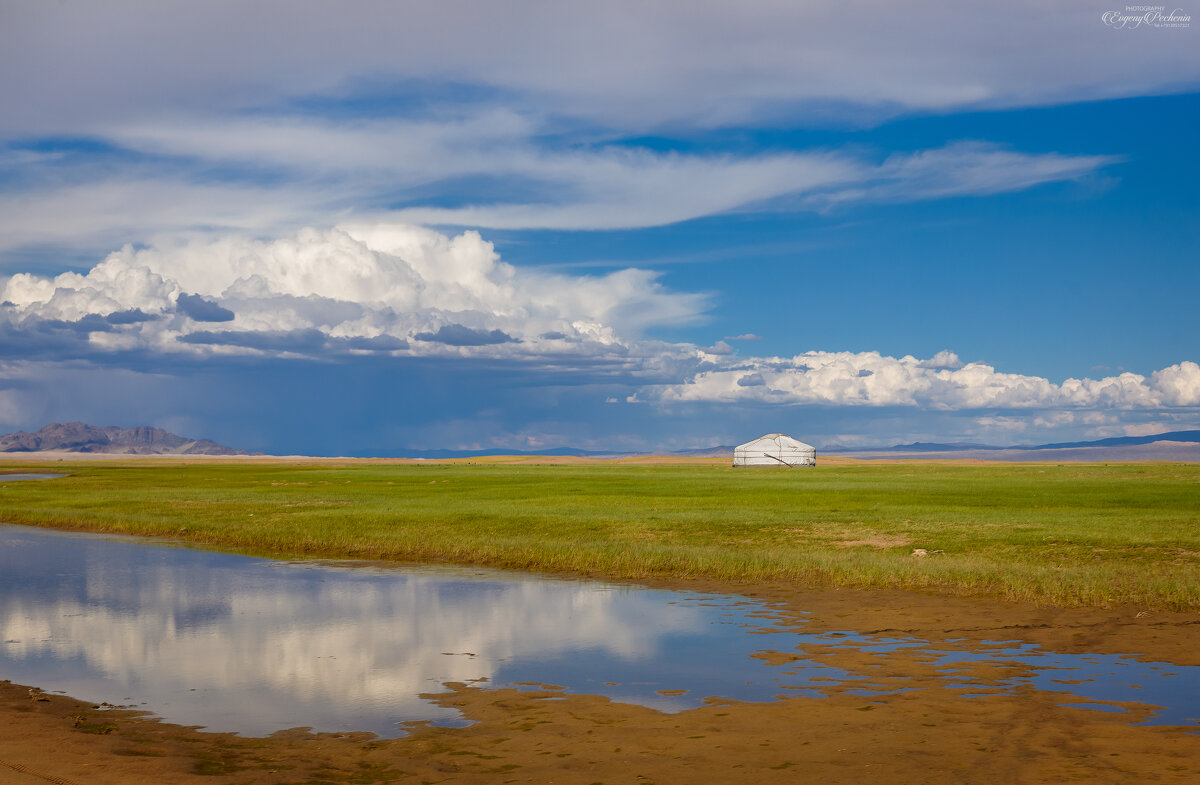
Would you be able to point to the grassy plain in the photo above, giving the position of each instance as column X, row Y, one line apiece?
column 1070, row 534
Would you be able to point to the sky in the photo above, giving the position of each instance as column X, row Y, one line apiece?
column 367, row 227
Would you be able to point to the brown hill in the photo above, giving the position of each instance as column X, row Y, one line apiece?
column 81, row 437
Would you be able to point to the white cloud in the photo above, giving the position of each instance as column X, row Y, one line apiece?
column 420, row 149
column 944, row 359
column 222, row 121
column 872, row 379
column 624, row 63
column 402, row 299
column 638, row 188
column 405, row 291
column 392, row 288
column 322, row 170
column 107, row 211
column 963, row 169
column 1058, row 419
column 1179, row 385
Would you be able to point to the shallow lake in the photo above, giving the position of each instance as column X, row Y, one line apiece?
column 235, row 643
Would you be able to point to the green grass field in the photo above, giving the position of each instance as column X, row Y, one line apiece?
column 1073, row 534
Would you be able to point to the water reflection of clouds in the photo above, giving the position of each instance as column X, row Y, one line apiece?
column 261, row 637
column 235, row 643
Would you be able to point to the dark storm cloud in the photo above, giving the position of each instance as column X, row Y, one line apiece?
column 299, row 341
column 202, row 309
column 309, row 341
column 131, row 316
column 380, row 343
column 458, row 335
column 91, row 323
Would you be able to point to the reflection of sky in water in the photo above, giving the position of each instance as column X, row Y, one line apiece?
column 1173, row 689
column 710, row 659
column 235, row 643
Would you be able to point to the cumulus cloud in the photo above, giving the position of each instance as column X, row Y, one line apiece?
column 1178, row 385
column 412, row 292
column 397, row 301
column 942, row 382
column 944, row 359
column 378, row 288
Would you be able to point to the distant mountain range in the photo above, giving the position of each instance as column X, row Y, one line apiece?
column 723, row 450
column 80, row 437
column 557, row 451
column 1169, row 446
column 144, row 440
column 1117, row 441
column 433, row 455
column 966, row 449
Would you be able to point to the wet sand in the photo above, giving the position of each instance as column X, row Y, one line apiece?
column 927, row 735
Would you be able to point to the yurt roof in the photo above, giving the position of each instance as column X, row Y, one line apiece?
column 776, row 441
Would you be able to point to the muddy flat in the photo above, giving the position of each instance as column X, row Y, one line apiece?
column 861, row 732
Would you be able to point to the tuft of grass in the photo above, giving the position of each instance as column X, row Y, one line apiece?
column 1073, row 534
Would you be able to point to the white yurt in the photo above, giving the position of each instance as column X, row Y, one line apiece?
column 775, row 449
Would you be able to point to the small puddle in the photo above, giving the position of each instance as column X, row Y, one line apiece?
column 1168, row 694
column 253, row 646
column 16, row 477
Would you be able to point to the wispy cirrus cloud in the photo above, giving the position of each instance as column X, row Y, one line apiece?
column 115, row 208
column 381, row 174
column 618, row 65
column 372, row 111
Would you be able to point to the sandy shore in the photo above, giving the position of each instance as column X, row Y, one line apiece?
column 925, row 735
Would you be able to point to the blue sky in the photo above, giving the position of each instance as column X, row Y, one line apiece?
column 363, row 227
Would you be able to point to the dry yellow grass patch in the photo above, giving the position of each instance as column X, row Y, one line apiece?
column 879, row 541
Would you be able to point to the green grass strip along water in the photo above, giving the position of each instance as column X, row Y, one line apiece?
column 1074, row 534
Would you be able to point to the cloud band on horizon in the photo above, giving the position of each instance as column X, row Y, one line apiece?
column 405, row 292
